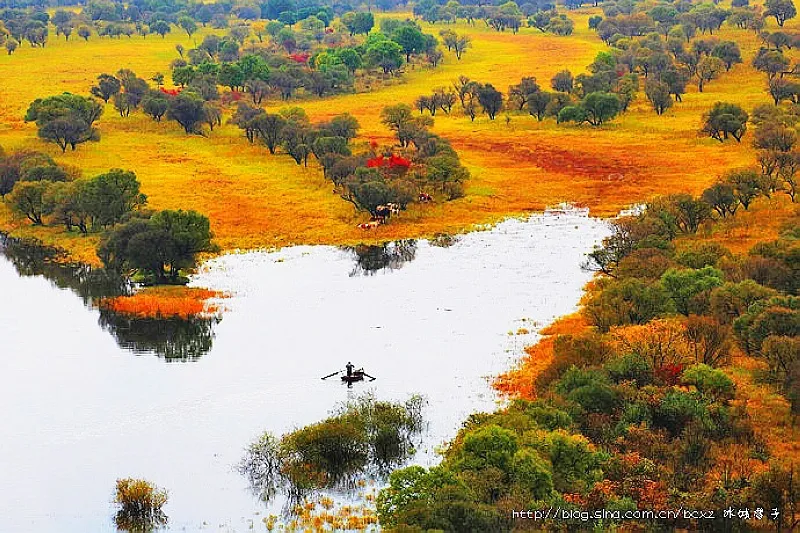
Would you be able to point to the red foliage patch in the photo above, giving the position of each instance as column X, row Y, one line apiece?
column 669, row 374
column 170, row 92
column 393, row 161
column 299, row 58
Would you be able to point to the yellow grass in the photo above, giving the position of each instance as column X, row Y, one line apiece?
column 257, row 200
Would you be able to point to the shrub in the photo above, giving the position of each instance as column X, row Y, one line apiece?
column 630, row 367
column 677, row 410
column 630, row 301
column 687, row 287
column 140, row 503
column 710, row 382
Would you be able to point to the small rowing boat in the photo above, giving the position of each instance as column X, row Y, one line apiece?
column 357, row 375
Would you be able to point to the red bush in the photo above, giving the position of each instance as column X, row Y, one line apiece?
column 376, row 162
column 669, row 374
column 299, row 58
column 394, row 161
column 397, row 161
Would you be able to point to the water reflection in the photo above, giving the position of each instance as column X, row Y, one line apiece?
column 387, row 256
column 31, row 258
column 140, row 523
column 174, row 339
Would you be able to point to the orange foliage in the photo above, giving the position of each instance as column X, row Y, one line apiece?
column 519, row 382
column 165, row 302
column 661, row 342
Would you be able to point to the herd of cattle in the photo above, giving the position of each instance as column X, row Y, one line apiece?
column 383, row 212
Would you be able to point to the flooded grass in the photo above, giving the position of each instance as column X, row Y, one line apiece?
column 364, row 438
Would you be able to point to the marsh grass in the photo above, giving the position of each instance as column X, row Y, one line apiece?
column 362, row 439
column 140, row 505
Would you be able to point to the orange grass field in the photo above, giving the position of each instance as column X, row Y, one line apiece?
column 257, row 200
column 165, row 302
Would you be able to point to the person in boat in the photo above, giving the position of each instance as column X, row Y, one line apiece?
column 349, row 368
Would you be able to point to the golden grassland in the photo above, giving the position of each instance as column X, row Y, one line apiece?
column 166, row 302
column 257, row 200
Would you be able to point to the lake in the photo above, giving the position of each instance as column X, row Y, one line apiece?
column 86, row 398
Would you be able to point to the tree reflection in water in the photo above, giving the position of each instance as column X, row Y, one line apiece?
column 31, row 258
column 387, row 256
column 174, row 339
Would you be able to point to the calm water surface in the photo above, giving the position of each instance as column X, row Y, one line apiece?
column 86, row 398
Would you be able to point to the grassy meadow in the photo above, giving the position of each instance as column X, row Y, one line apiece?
column 518, row 164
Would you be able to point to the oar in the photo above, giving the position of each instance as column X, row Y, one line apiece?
column 370, row 377
column 331, row 375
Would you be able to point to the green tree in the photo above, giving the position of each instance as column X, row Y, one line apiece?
column 721, row 198
column 107, row 86
column 782, row 10
column 708, row 68
column 563, row 81
column 683, row 286
column 27, row 198
column 491, row 100
column 724, row 120
column 745, row 184
column 188, row 25
column 66, row 119
column 388, row 55
column 710, row 382
column 600, row 107
column 358, row 23
column 110, row 196
column 410, row 40
column 521, row 92
column 538, row 102
column 187, row 110
column 231, row 75
column 728, row 52
column 659, row 95
column 160, row 27
column 269, row 128
column 155, row 105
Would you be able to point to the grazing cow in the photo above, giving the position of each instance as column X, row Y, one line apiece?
column 372, row 224
column 382, row 213
column 394, row 208
column 425, row 197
